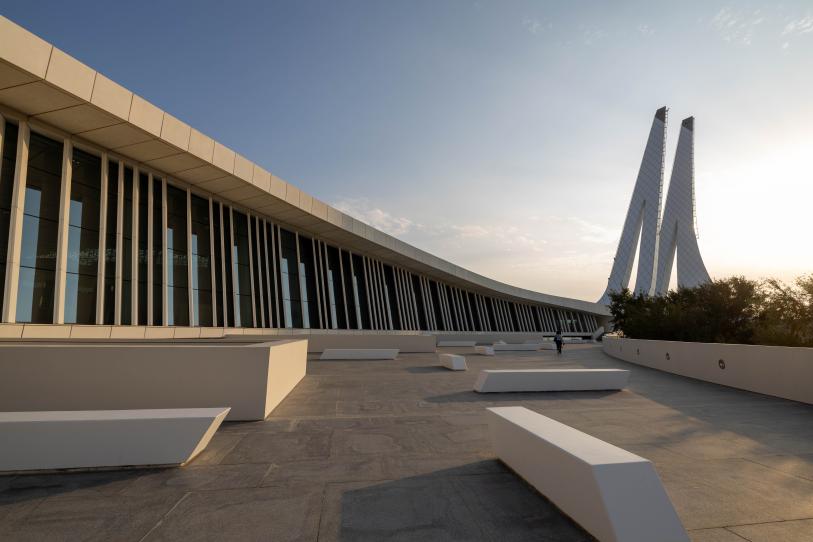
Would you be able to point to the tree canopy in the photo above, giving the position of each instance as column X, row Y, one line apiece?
column 731, row 310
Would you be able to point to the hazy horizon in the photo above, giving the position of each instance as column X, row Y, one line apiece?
column 502, row 136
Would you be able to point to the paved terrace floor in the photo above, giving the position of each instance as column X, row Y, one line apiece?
column 398, row 450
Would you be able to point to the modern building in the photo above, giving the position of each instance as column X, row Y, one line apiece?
column 660, row 238
column 116, row 213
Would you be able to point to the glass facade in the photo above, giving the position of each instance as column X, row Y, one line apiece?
column 201, row 264
column 307, row 283
column 83, row 239
column 170, row 256
column 391, row 291
column 291, row 301
column 35, row 295
column 228, row 269
column 126, row 201
column 219, row 302
column 256, row 274
column 334, row 287
column 350, row 292
column 244, row 315
column 360, row 292
column 157, row 251
column 177, row 270
column 111, row 243
column 271, row 252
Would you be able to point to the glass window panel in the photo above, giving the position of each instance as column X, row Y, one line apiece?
column 201, row 263
column 143, row 254
column 178, row 303
column 361, row 291
column 9, row 159
column 219, row 320
column 83, row 251
column 353, row 310
column 80, row 299
column 291, row 300
column 307, row 278
column 35, row 297
column 242, row 273
column 157, row 252
column 40, row 229
column 227, row 243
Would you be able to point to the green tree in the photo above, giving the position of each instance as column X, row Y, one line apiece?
column 732, row 310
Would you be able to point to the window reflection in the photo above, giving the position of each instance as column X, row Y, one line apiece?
column 242, row 275
column 35, row 297
column 201, row 264
column 177, row 278
column 83, row 239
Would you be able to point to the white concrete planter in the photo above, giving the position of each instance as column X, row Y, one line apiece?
column 251, row 379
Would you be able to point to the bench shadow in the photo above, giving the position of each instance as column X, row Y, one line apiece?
column 478, row 501
column 427, row 369
column 19, row 488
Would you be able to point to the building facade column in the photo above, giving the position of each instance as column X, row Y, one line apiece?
column 135, row 197
column 62, row 235
column 100, row 267
column 194, row 308
column 16, row 224
column 212, row 271
column 249, row 238
column 164, row 256
column 119, row 243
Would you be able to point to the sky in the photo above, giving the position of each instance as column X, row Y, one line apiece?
column 504, row 136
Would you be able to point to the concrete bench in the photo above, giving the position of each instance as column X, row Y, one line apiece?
column 469, row 344
column 252, row 379
column 484, row 350
column 453, row 362
column 508, row 380
column 359, row 353
column 547, row 345
column 613, row 494
column 522, row 347
column 105, row 438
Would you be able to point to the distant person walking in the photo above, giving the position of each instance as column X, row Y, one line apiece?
column 558, row 340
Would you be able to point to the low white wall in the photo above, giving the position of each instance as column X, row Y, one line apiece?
column 251, row 379
column 318, row 339
column 489, row 337
column 403, row 343
column 772, row 370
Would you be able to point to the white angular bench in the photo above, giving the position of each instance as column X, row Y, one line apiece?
column 453, row 362
column 358, row 353
column 521, row 347
column 613, row 494
column 442, row 344
column 547, row 345
column 105, row 438
column 484, row 350
column 523, row 380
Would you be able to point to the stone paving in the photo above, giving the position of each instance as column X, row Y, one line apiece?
column 398, row 450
